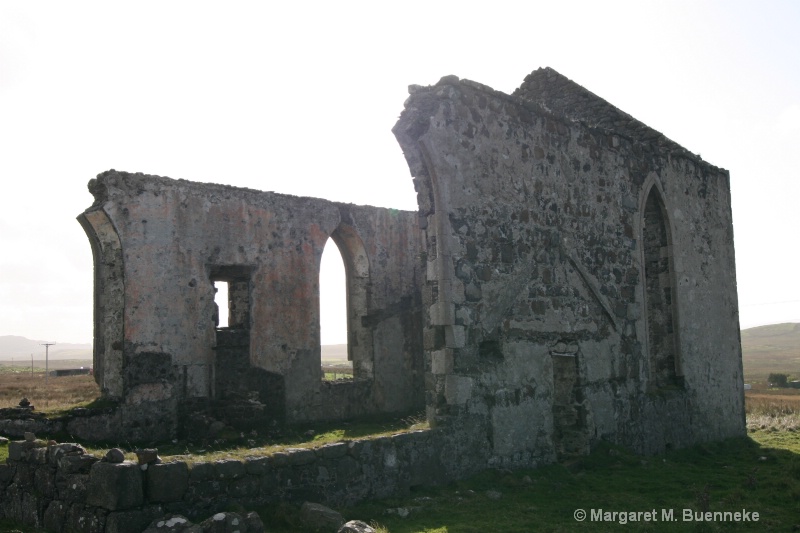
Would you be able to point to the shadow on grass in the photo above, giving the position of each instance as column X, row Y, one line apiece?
column 736, row 475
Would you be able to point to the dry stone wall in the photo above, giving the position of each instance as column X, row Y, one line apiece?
column 59, row 487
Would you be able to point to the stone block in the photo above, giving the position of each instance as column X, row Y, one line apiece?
column 115, row 486
column 72, row 488
column 457, row 389
column 201, row 471
column 455, row 336
column 6, row 475
column 230, row 469
column 301, row 456
column 44, row 481
column 85, row 519
column 54, row 516
column 75, row 464
column 133, row 521
column 20, row 450
column 332, row 451
column 57, row 451
column 167, row 482
column 441, row 314
column 246, row 487
column 173, row 523
column 442, row 361
column 257, row 466
column 317, row 517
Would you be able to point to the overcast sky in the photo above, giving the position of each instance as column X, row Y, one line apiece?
column 301, row 99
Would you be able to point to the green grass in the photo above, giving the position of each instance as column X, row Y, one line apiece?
column 231, row 444
column 20, row 369
column 729, row 476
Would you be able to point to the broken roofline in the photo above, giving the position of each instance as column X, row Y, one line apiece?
column 543, row 92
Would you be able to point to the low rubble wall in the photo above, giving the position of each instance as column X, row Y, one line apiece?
column 60, row 487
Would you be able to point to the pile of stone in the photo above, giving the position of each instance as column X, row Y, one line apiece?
column 219, row 523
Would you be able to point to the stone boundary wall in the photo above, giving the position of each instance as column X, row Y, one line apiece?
column 60, row 487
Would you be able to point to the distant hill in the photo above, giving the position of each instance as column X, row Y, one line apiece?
column 17, row 347
column 334, row 352
column 774, row 348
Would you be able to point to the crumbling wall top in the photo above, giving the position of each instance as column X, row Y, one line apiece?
column 548, row 93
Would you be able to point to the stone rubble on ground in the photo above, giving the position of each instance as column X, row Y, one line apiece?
column 317, row 517
column 356, row 526
column 218, row 523
column 114, row 456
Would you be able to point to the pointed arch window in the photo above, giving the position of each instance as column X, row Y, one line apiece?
column 356, row 273
column 333, row 315
column 659, row 293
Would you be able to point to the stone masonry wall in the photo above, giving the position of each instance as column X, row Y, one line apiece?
column 539, row 327
column 569, row 277
column 59, row 487
column 158, row 245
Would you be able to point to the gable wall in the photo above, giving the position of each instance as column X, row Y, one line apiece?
column 536, row 323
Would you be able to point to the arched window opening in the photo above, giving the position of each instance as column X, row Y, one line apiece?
column 333, row 315
column 659, row 295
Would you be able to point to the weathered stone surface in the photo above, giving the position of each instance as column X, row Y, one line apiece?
column 332, row 451
column 147, row 456
column 229, row 469
column 258, row 243
column 356, row 526
column 173, row 523
column 133, row 521
column 82, row 518
column 57, row 451
column 115, row 455
column 559, row 227
column 300, row 456
column 201, row 471
column 115, row 486
column 233, row 522
column 167, row 482
column 75, row 464
column 55, row 515
column 317, row 517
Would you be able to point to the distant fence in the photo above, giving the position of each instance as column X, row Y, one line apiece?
column 334, row 372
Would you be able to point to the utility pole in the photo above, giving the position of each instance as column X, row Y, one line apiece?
column 47, row 346
column 31, row 365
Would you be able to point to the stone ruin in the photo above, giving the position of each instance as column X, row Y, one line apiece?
column 568, row 278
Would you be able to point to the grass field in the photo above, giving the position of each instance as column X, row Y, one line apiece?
column 53, row 394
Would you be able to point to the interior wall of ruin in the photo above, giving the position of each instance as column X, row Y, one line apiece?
column 174, row 237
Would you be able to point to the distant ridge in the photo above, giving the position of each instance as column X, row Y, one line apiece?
column 773, row 348
column 331, row 352
column 16, row 346
column 765, row 349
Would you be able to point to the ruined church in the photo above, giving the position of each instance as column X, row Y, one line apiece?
column 568, row 277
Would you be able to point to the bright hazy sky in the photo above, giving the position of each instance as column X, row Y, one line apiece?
column 301, row 99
